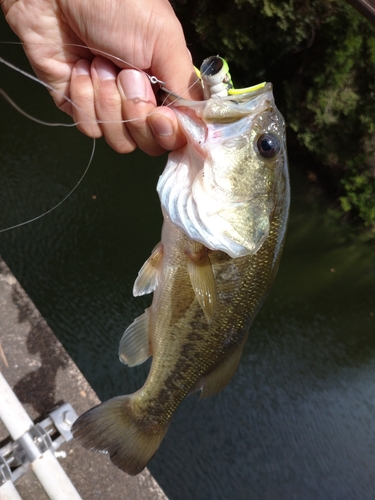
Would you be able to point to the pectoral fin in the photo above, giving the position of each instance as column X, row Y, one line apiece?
column 219, row 378
column 134, row 346
column 203, row 281
column 147, row 279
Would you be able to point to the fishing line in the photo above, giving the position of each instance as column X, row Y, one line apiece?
column 31, row 117
column 153, row 80
column 61, row 201
column 49, row 87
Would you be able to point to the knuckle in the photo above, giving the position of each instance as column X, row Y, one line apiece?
column 90, row 130
column 152, row 150
column 109, row 101
column 122, row 147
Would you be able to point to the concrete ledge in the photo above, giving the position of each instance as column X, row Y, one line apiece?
column 43, row 377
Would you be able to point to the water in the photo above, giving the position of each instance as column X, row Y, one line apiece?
column 298, row 419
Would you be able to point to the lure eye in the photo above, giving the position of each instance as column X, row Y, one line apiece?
column 268, row 145
column 211, row 66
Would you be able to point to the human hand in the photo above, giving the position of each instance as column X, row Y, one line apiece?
column 146, row 34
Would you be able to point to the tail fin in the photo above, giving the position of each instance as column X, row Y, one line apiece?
column 111, row 428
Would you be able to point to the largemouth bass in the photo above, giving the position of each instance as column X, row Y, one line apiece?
column 225, row 200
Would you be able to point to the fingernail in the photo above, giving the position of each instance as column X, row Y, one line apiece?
column 82, row 67
column 105, row 70
column 161, row 126
column 133, row 84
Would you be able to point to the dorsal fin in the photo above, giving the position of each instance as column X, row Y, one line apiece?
column 147, row 279
column 134, row 346
column 203, row 280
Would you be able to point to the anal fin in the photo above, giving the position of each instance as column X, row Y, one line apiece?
column 220, row 377
column 147, row 281
column 134, row 346
column 203, row 281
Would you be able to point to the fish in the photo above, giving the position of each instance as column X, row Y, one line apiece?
column 225, row 202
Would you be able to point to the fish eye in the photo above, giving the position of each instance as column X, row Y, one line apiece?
column 268, row 145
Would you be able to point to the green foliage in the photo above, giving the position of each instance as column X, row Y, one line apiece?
column 320, row 55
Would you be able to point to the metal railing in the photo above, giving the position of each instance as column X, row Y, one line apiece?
column 33, row 446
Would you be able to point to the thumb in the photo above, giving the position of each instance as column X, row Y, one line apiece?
column 172, row 63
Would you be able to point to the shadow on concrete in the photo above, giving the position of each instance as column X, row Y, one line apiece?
column 38, row 387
